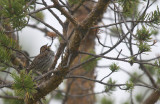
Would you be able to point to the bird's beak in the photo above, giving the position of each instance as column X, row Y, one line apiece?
column 49, row 47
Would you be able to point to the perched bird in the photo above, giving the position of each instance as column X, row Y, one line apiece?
column 43, row 61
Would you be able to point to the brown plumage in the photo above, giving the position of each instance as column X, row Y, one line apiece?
column 43, row 61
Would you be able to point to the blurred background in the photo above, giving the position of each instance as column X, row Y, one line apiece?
column 31, row 40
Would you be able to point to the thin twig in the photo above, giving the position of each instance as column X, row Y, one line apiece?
column 116, row 85
column 51, row 11
column 56, row 31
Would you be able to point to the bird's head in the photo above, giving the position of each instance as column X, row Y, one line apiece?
column 44, row 48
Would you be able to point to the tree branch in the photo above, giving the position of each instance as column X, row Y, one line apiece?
column 55, row 80
column 65, row 13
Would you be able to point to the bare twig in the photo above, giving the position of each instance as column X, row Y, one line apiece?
column 64, row 12
column 59, row 20
column 56, row 31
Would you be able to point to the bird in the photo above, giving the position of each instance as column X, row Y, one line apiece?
column 43, row 61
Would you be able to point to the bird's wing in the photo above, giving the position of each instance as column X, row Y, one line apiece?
column 37, row 60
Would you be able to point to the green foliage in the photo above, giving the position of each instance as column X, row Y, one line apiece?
column 114, row 31
column 157, row 62
column 131, row 60
column 155, row 32
column 150, row 69
column 144, row 47
column 89, row 65
column 3, row 68
column 130, row 7
column 40, row 16
column 12, row 101
column 110, row 88
column 143, row 34
column 154, row 70
column 23, row 84
column 154, row 17
column 14, row 12
column 158, row 75
column 104, row 100
column 139, row 98
column 127, row 102
column 5, row 55
column 59, row 95
column 134, row 77
column 114, row 67
column 5, row 40
column 129, row 85
column 71, row 2
column 45, row 101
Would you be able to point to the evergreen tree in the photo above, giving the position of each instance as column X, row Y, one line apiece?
column 132, row 23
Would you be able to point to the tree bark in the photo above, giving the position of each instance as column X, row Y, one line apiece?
column 79, row 87
column 72, row 50
column 153, row 98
